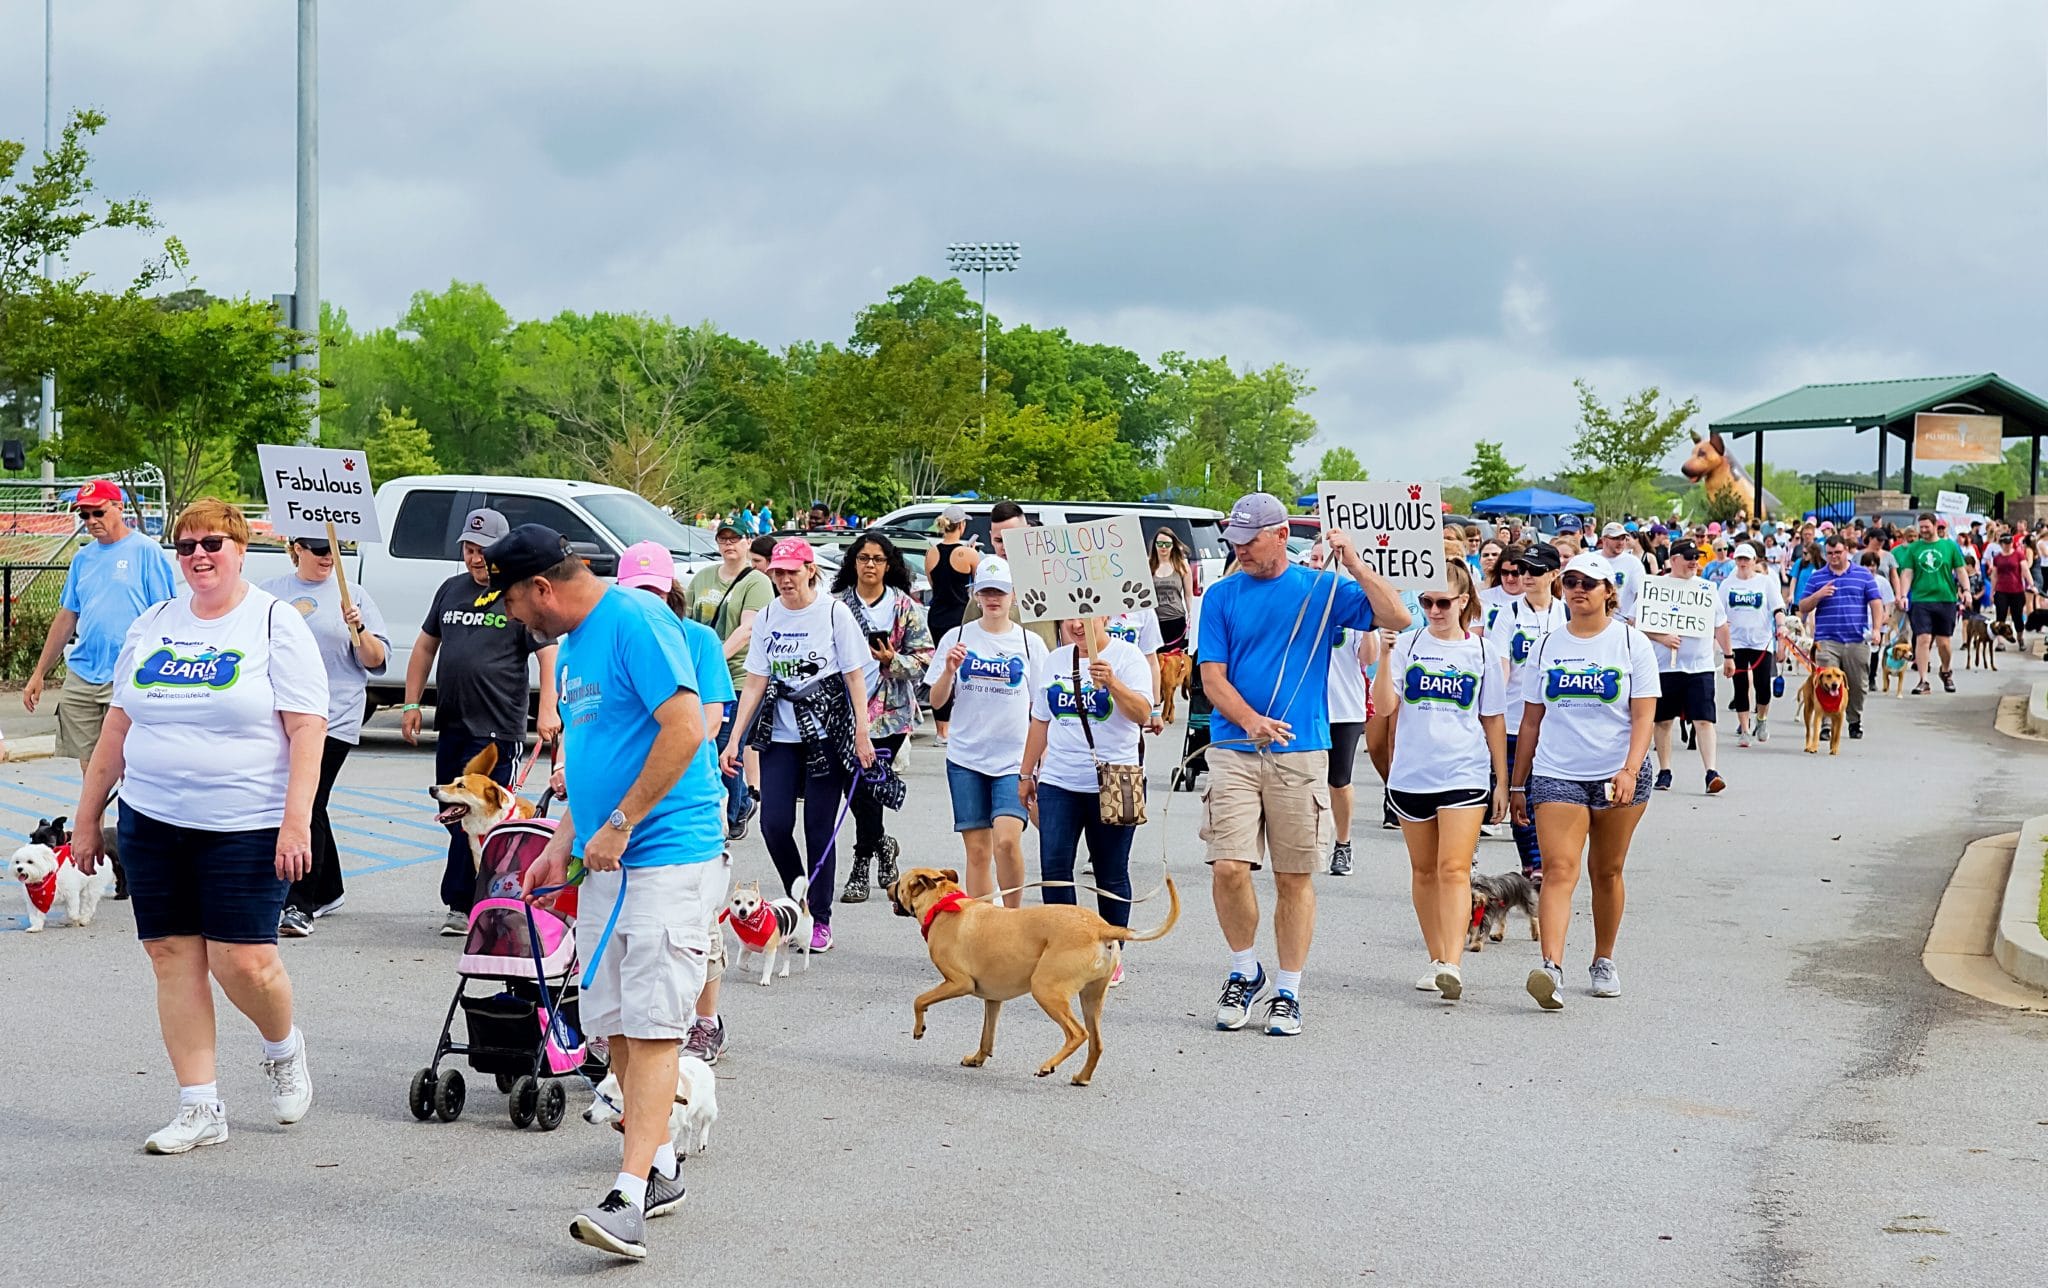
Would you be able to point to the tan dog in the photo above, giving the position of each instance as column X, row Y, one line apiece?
column 1897, row 659
column 1051, row 951
column 1825, row 696
column 1174, row 669
column 477, row 801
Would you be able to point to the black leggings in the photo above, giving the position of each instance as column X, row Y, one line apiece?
column 784, row 777
column 322, row 883
column 868, row 829
column 2012, row 607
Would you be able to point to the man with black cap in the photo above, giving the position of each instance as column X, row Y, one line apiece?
column 480, row 691
column 646, row 816
column 1686, row 666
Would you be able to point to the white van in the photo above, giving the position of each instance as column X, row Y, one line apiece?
column 1200, row 530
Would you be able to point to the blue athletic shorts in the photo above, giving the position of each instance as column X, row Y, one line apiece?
column 222, row 886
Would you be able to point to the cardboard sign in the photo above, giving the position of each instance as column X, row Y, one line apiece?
column 319, row 492
column 1398, row 528
column 1079, row 569
column 1966, row 440
column 1952, row 504
column 1676, row 606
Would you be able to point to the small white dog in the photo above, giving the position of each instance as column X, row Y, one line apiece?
column 771, row 927
column 689, row 1123
column 48, row 877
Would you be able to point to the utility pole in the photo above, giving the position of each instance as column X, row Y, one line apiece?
column 46, row 409
column 306, row 293
column 983, row 258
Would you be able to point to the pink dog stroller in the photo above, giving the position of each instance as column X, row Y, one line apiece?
column 525, row 1032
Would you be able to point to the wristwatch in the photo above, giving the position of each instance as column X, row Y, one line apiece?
column 618, row 821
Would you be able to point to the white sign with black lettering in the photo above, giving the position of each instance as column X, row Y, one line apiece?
column 1951, row 504
column 319, row 492
column 1676, row 606
column 1398, row 528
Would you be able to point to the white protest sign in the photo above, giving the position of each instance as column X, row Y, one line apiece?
column 1079, row 569
column 1676, row 606
column 1951, row 503
column 319, row 492
column 1398, row 528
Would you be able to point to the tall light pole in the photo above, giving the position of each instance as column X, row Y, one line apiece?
column 983, row 258
column 46, row 410
column 306, row 289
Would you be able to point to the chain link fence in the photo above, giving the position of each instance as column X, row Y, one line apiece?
column 29, row 598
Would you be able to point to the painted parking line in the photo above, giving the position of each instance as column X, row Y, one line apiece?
column 432, row 828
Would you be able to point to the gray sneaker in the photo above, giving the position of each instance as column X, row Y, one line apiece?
column 1763, row 729
column 1340, row 859
column 455, row 923
column 1606, row 979
column 613, row 1226
column 706, row 1040
column 664, row 1193
column 294, row 923
column 1545, row 982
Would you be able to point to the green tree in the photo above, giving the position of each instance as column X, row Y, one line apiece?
column 1341, row 465
column 448, row 363
column 1227, row 431
column 1490, row 472
column 1028, row 452
column 398, row 446
column 1616, row 452
column 1050, row 369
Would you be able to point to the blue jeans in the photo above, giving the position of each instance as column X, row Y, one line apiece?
column 453, row 749
column 735, row 786
column 1525, row 837
column 1064, row 817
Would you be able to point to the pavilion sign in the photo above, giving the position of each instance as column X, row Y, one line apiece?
column 1967, row 440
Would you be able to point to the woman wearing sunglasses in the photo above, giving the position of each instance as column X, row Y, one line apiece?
column 1446, row 690
column 229, row 678
column 1582, row 767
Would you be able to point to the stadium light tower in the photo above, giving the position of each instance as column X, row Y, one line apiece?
column 983, row 258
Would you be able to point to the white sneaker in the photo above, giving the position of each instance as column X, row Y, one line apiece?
column 329, row 909
column 1606, row 981
column 194, row 1126
column 1427, row 984
column 291, row 1085
column 1489, row 830
column 1449, row 982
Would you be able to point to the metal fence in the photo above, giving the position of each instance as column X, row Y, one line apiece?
column 29, row 598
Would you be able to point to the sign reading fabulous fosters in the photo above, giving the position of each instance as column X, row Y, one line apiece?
column 1079, row 569
column 1398, row 528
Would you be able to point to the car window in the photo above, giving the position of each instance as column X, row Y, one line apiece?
column 424, row 527
column 1206, row 536
column 633, row 519
column 519, row 509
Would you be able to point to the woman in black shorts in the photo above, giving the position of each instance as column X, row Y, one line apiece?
column 1582, row 767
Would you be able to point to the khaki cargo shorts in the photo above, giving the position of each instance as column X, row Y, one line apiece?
column 81, row 712
column 649, row 973
column 1273, row 808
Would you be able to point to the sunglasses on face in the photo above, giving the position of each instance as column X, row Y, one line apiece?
column 211, row 545
column 92, row 514
column 1577, row 581
column 1431, row 603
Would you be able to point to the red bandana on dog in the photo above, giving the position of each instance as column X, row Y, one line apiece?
column 1829, row 702
column 43, row 893
column 755, row 931
column 948, row 902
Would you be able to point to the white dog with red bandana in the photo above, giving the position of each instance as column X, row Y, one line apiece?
column 48, row 878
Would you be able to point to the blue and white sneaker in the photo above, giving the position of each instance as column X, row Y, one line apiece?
column 1234, row 1007
column 1283, row 1015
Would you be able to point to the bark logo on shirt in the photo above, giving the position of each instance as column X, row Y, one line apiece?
column 1745, row 599
column 210, row 670
column 1599, row 683
column 1060, row 697
column 1009, row 671
column 1520, row 646
column 1449, row 687
column 1120, row 629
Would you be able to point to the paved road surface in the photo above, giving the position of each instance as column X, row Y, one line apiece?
column 1783, row 1097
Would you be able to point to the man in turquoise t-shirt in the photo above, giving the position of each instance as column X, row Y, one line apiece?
column 646, row 817
column 1928, row 582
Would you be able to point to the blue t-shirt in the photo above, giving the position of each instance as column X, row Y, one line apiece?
column 108, row 586
column 1245, row 623
column 707, row 654
column 1845, row 615
column 628, row 657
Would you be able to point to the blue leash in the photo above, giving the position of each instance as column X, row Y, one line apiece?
column 557, row 1026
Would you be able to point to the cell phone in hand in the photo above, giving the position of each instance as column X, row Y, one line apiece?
column 878, row 639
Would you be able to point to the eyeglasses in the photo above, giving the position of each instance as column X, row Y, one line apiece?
column 1431, row 603
column 871, row 559
column 1509, row 570
column 1577, row 581
column 92, row 514
column 211, row 545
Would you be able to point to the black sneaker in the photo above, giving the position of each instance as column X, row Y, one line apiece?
column 1715, row 783
column 613, row 1226
column 1948, row 681
column 1340, row 859
column 1663, row 780
column 736, row 828
column 1855, row 731
column 664, row 1193
column 293, row 923
column 1234, row 1006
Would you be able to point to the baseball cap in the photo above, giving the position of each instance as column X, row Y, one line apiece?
column 1537, row 558
column 1630, row 526
column 526, row 551
column 727, row 529
column 647, row 566
column 1745, row 551
column 1684, row 549
column 1253, row 514
column 792, row 552
column 1591, row 565
column 952, row 516
column 1568, row 523
column 1714, row 529
column 487, row 528
column 98, row 492
column 313, row 545
column 992, row 573
column 1612, row 530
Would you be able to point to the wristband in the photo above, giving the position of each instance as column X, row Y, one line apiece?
column 1518, row 791
column 410, row 706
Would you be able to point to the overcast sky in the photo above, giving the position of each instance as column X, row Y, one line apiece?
column 1444, row 211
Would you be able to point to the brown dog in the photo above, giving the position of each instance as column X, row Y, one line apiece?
column 477, row 801
column 1051, row 951
column 1173, row 681
column 1825, row 696
column 1977, row 644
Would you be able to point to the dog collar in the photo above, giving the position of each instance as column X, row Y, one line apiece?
column 947, row 902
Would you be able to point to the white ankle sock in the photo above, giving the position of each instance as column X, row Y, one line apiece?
column 1288, row 981
column 634, row 1188
column 204, row 1093
column 665, row 1158
column 1245, row 963
column 293, row 1043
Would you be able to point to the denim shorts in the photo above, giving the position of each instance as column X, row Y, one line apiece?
column 222, row 886
column 980, row 799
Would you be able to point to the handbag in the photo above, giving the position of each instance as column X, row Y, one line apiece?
column 1119, row 789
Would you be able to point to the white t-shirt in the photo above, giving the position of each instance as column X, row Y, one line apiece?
column 1140, row 627
column 1513, row 637
column 1068, row 762
column 875, row 617
column 1628, row 580
column 1347, row 679
column 803, row 648
column 1695, row 653
column 1443, row 687
column 991, row 695
column 1493, row 601
column 1748, row 603
column 207, row 749
column 1585, row 686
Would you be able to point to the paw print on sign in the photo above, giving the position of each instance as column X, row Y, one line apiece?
column 1134, row 593
column 1415, row 491
column 1384, row 538
column 1033, row 604
column 1086, row 601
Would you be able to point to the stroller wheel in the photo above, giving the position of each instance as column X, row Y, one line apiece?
column 554, row 1102
column 420, row 1096
column 525, row 1096
column 505, row 1082
column 448, row 1095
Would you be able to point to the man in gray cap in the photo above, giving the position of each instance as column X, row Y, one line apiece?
column 1267, row 634
column 1628, row 570
column 479, row 691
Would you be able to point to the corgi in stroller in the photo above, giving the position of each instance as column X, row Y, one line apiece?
column 523, row 1032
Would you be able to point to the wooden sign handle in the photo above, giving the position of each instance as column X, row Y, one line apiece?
column 341, row 576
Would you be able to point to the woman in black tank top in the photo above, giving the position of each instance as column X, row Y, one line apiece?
column 949, row 590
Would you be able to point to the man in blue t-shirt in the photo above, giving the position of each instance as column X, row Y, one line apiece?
column 646, row 815
column 1267, row 633
column 106, row 588
column 1848, row 618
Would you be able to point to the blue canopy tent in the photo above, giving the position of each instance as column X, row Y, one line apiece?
column 1531, row 500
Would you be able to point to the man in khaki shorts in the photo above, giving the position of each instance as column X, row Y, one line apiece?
column 1266, row 640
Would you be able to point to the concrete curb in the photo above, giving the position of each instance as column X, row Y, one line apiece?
column 2016, row 940
column 2037, row 710
column 36, row 748
column 1958, row 952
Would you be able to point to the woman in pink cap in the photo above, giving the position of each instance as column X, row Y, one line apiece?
column 804, row 708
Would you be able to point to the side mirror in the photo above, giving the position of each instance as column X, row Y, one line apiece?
column 599, row 560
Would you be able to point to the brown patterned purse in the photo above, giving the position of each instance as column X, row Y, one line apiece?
column 1119, row 789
